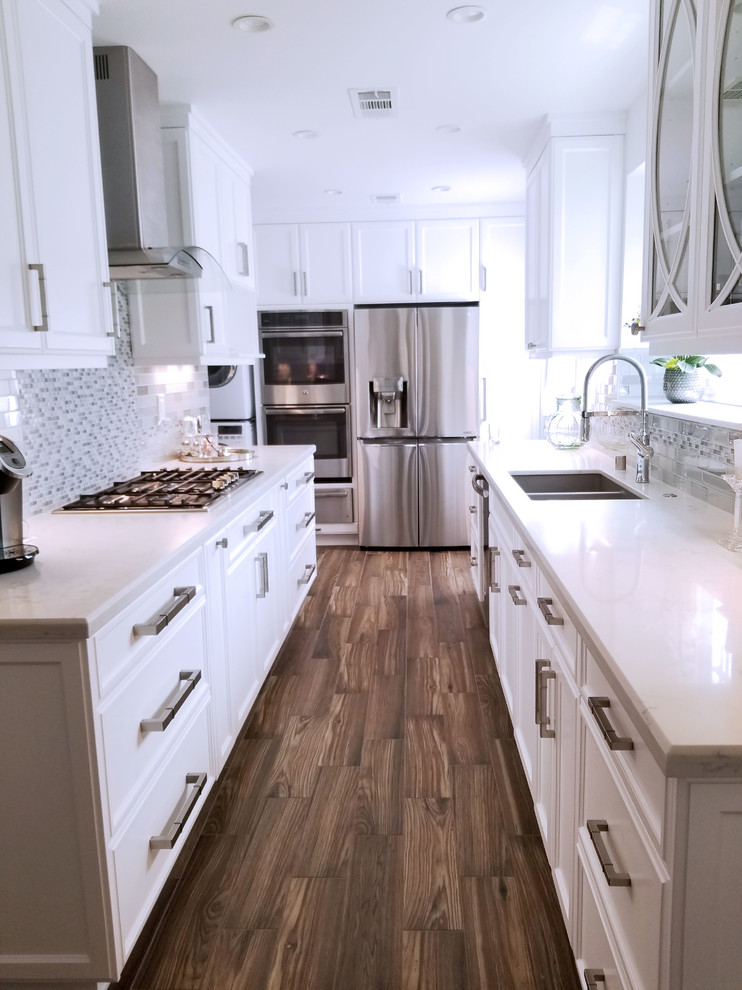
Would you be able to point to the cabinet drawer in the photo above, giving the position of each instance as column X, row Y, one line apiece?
column 163, row 691
column 300, row 518
column 302, row 572
column 119, row 645
column 251, row 523
column 635, row 765
column 298, row 479
column 140, row 868
column 596, row 957
column 633, row 910
column 561, row 629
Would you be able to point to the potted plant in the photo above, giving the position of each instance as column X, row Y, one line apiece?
column 682, row 381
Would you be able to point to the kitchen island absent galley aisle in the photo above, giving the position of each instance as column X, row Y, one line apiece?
column 373, row 827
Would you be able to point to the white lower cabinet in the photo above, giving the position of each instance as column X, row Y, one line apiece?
column 647, row 867
column 117, row 739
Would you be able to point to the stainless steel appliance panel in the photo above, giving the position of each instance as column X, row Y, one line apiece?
column 389, row 493
column 442, row 468
column 333, row 504
column 327, row 427
column 303, row 367
column 447, row 363
column 385, row 350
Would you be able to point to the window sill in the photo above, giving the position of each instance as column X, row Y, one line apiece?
column 710, row 413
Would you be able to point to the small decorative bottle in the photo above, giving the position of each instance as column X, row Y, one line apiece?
column 563, row 427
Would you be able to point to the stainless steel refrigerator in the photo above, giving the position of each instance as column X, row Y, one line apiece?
column 417, row 404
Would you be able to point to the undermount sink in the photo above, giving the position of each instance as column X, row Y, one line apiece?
column 571, row 485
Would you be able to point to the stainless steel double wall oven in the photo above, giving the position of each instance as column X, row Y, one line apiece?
column 306, row 385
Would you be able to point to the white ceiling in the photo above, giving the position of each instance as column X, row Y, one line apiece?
column 496, row 79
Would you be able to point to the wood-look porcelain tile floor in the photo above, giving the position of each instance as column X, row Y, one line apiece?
column 373, row 829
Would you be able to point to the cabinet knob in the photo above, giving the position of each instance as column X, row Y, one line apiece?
column 223, row 543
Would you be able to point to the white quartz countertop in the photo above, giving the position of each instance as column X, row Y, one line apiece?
column 93, row 564
column 655, row 597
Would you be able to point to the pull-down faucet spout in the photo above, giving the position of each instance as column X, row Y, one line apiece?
column 641, row 440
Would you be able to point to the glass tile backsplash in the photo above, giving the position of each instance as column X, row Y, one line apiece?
column 82, row 429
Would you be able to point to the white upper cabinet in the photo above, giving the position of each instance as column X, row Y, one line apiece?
column 55, row 300
column 574, row 204
column 303, row 263
column 211, row 319
column 693, row 276
column 416, row 261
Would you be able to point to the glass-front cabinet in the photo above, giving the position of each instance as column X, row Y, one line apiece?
column 722, row 276
column 693, row 275
column 671, row 205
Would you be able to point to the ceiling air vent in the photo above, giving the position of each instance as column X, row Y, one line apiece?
column 373, row 102
column 386, row 199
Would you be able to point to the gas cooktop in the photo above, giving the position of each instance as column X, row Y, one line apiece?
column 181, row 489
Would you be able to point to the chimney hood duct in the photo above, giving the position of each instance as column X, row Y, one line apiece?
column 133, row 170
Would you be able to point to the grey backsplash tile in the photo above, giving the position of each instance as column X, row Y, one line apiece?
column 82, row 429
column 687, row 455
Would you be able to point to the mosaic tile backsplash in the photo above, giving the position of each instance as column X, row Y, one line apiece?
column 82, row 429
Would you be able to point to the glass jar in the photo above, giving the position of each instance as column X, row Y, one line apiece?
column 563, row 427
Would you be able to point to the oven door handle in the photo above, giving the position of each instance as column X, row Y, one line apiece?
column 303, row 410
column 319, row 332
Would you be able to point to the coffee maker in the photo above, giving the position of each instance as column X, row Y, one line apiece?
column 13, row 468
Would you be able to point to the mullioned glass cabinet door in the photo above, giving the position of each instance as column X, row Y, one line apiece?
column 722, row 289
column 669, row 284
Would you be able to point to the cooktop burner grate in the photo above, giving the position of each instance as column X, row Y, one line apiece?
column 182, row 489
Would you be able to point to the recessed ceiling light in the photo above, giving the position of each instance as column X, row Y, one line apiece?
column 440, row 189
column 333, row 192
column 305, row 135
column 253, row 23
column 466, row 15
column 448, row 129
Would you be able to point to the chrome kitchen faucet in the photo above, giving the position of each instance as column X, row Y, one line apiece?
column 644, row 451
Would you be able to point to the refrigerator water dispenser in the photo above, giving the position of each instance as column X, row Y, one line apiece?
column 388, row 402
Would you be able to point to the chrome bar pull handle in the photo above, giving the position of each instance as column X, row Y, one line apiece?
column 520, row 558
column 493, row 585
column 166, row 840
column 262, row 560
column 211, row 339
column 420, row 281
column 551, row 619
column 593, row 977
column 597, row 707
column 483, row 279
column 308, row 517
column 43, row 308
column 243, row 259
column 181, row 597
column 544, row 674
column 412, row 288
column 296, row 283
column 263, row 519
column 596, row 828
column 115, row 330
column 305, row 283
column 160, row 721
column 513, row 590
column 308, row 476
column 309, row 570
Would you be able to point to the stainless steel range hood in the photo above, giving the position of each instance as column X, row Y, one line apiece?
column 133, row 170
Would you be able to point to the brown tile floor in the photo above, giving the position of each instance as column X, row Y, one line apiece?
column 373, row 828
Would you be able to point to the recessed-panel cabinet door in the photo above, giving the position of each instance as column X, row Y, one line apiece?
column 54, row 97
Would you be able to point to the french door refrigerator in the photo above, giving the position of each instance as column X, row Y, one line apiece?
column 417, row 404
